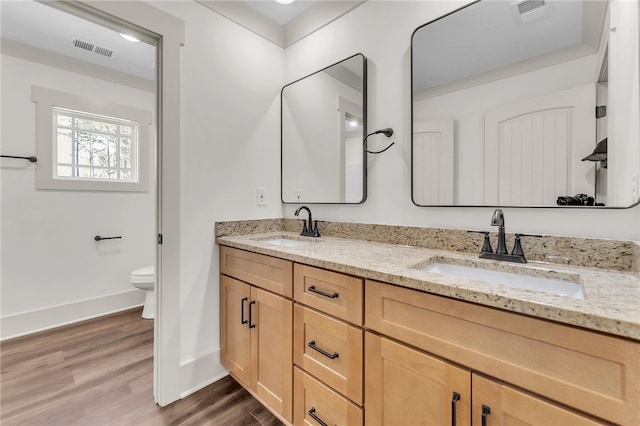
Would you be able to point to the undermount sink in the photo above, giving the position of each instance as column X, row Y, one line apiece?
column 286, row 242
column 564, row 285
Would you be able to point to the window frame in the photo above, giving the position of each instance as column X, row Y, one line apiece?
column 46, row 100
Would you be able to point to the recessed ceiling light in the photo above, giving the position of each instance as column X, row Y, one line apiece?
column 129, row 38
column 284, row 1
column 353, row 123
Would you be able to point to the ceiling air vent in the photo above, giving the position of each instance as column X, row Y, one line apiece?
column 91, row 47
column 529, row 5
column 529, row 10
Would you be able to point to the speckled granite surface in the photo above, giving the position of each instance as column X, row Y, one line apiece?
column 612, row 295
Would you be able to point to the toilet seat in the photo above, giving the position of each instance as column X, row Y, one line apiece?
column 144, row 279
column 144, row 275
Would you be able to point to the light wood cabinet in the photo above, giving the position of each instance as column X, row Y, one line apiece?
column 235, row 335
column 329, row 349
column 256, row 327
column 330, row 292
column 590, row 372
column 406, row 387
column 495, row 404
column 316, row 404
column 269, row 273
column 421, row 359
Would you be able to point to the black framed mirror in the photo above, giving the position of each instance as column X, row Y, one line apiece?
column 504, row 98
column 323, row 122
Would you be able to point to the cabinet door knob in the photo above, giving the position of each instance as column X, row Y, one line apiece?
column 313, row 289
column 312, row 345
column 454, row 399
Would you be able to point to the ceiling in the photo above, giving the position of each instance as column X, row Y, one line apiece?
column 29, row 24
column 34, row 24
column 279, row 13
column 282, row 24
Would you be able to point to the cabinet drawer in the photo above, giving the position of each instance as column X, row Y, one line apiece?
column 267, row 272
column 593, row 372
column 330, row 292
column 313, row 399
column 329, row 349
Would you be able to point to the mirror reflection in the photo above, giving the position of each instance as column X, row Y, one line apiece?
column 323, row 124
column 504, row 99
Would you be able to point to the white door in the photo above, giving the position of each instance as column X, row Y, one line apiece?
column 533, row 148
column 433, row 162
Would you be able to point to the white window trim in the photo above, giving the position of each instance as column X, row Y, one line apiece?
column 45, row 100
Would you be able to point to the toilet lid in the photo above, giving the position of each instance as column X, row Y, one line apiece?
column 142, row 273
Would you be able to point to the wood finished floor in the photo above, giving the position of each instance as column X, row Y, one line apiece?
column 100, row 372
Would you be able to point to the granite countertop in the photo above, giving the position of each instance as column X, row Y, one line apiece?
column 611, row 301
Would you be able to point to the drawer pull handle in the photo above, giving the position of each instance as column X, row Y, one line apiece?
column 454, row 400
column 251, row 324
column 242, row 320
column 313, row 289
column 312, row 413
column 486, row 410
column 312, row 345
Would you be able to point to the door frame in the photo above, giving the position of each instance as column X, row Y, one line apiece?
column 169, row 34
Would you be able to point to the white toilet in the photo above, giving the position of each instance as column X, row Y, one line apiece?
column 144, row 279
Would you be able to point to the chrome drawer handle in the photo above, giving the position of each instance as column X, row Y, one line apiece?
column 313, row 289
column 312, row 345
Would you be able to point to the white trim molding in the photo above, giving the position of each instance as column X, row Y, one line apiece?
column 55, row 316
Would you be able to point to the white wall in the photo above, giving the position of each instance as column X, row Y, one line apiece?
column 382, row 30
column 230, row 145
column 52, row 269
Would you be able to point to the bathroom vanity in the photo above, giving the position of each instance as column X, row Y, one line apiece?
column 350, row 332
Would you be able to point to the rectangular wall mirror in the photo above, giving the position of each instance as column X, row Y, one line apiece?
column 527, row 104
column 324, row 119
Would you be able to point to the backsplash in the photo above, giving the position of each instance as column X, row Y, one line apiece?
column 588, row 252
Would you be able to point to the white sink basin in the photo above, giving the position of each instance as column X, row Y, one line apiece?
column 509, row 279
column 286, row 242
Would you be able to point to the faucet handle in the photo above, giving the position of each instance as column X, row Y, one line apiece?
column 486, row 246
column 517, row 245
column 316, row 233
column 305, row 229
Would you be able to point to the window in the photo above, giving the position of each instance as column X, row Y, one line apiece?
column 92, row 146
column 88, row 144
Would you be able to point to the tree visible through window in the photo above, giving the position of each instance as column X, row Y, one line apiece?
column 94, row 147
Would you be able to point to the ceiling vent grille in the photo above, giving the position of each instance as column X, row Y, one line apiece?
column 91, row 47
column 529, row 10
column 529, row 5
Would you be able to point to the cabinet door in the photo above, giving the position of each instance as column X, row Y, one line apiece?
column 495, row 404
column 317, row 404
column 405, row 387
column 271, row 350
column 235, row 338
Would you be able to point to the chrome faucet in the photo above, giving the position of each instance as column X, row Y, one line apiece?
column 517, row 254
column 312, row 229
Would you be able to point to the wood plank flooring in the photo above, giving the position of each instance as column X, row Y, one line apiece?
column 100, row 372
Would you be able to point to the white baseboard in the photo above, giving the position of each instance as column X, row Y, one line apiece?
column 55, row 316
column 201, row 372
